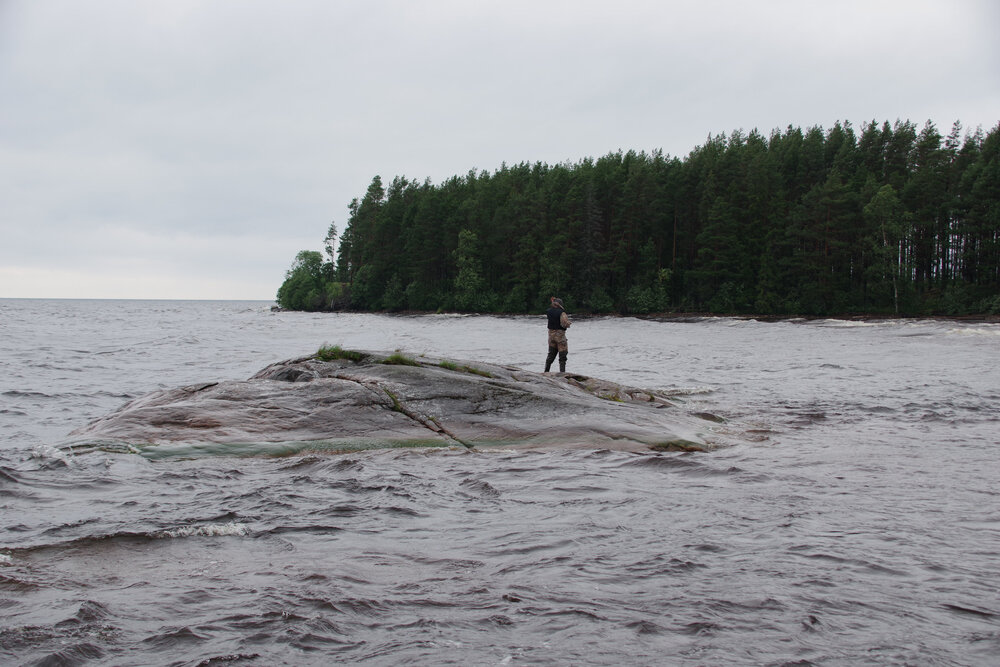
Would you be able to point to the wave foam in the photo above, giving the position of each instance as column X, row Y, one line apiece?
column 49, row 453
column 687, row 391
column 850, row 324
column 231, row 529
column 973, row 332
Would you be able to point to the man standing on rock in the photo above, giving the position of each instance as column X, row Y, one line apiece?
column 558, row 323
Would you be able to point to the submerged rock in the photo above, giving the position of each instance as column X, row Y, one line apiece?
column 378, row 400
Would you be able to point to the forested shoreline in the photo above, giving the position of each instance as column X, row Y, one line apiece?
column 886, row 221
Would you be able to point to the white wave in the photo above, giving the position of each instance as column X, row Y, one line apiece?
column 973, row 332
column 850, row 324
column 6, row 560
column 48, row 452
column 687, row 391
column 231, row 529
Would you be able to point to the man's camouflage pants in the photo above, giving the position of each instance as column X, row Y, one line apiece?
column 557, row 344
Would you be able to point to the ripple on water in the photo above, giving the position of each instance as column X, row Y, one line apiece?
column 858, row 532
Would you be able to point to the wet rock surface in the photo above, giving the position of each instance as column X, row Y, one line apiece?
column 392, row 400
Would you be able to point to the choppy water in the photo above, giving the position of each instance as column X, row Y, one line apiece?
column 850, row 518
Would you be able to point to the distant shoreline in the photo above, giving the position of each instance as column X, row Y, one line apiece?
column 680, row 317
column 657, row 317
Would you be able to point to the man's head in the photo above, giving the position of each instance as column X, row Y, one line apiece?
column 557, row 302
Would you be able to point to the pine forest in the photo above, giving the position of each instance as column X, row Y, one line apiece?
column 888, row 221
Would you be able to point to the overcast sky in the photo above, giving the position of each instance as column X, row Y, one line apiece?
column 189, row 149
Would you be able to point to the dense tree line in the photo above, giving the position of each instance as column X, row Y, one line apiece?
column 890, row 220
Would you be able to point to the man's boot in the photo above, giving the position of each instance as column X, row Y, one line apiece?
column 549, row 359
column 562, row 361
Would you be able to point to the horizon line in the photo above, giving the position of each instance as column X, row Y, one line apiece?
column 117, row 298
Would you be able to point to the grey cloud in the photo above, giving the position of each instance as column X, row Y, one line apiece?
column 261, row 120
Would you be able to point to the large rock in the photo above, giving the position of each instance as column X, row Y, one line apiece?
column 381, row 401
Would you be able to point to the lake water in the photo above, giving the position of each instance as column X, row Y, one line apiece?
column 850, row 515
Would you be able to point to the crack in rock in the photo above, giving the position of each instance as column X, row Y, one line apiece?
column 393, row 403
